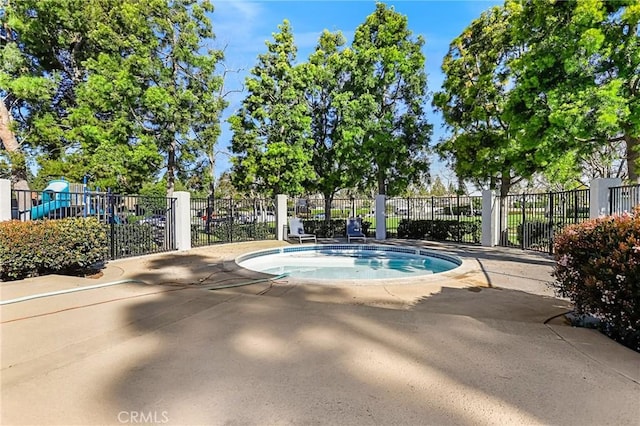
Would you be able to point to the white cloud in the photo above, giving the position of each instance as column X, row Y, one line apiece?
column 244, row 11
column 235, row 23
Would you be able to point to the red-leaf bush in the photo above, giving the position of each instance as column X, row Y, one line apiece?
column 34, row 248
column 598, row 268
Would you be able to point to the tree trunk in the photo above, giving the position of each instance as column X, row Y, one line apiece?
column 382, row 188
column 171, row 168
column 7, row 136
column 505, row 187
column 212, row 172
column 633, row 157
column 16, row 157
column 328, row 200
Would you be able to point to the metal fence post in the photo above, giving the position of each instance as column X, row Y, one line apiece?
column 112, row 223
column 551, row 231
column 433, row 210
column 458, row 238
column 208, row 213
column 230, row 220
column 524, row 221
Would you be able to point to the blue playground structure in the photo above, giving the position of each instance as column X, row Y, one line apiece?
column 55, row 196
column 63, row 199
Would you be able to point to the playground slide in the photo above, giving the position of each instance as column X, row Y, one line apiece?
column 44, row 209
column 55, row 196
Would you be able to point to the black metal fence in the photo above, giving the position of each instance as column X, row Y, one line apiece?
column 136, row 225
column 530, row 221
column 231, row 220
column 624, row 198
column 330, row 221
column 454, row 218
column 143, row 225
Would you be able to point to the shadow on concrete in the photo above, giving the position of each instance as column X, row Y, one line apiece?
column 496, row 253
column 286, row 356
column 432, row 352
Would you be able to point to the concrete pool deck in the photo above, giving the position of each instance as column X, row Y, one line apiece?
column 472, row 347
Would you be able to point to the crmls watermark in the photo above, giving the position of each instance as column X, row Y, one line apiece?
column 133, row 417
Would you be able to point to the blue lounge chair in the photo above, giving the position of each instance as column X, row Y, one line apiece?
column 354, row 229
column 296, row 230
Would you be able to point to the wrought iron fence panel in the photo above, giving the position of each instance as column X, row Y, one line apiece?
column 454, row 218
column 140, row 225
column 331, row 222
column 135, row 225
column 530, row 221
column 623, row 199
column 224, row 220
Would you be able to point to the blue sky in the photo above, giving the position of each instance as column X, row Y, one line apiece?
column 242, row 27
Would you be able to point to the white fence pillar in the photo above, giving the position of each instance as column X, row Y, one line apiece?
column 381, row 217
column 490, row 218
column 5, row 200
column 599, row 196
column 182, row 214
column 281, row 216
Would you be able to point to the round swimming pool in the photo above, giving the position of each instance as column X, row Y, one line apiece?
column 348, row 261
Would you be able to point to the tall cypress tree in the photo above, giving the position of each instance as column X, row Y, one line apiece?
column 271, row 131
column 390, row 83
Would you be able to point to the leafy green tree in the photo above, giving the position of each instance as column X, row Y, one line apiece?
column 271, row 131
column 437, row 188
column 24, row 90
column 57, row 95
column 578, row 83
column 225, row 188
column 389, row 81
column 181, row 105
column 483, row 145
column 112, row 89
column 334, row 127
column 105, row 138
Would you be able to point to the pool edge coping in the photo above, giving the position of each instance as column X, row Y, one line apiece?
column 463, row 269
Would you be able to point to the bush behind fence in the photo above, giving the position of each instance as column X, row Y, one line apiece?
column 451, row 218
column 224, row 220
column 136, row 225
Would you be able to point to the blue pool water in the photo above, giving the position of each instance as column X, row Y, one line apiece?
column 348, row 261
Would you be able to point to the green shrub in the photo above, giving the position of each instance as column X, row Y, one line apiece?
column 538, row 233
column 336, row 227
column 228, row 231
column 414, row 229
column 440, row 230
column 263, row 231
column 34, row 248
column 134, row 239
column 598, row 268
column 470, row 231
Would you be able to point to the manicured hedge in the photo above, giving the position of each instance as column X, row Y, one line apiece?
column 598, row 268
column 335, row 227
column 135, row 239
column 34, row 248
column 227, row 231
column 441, row 230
